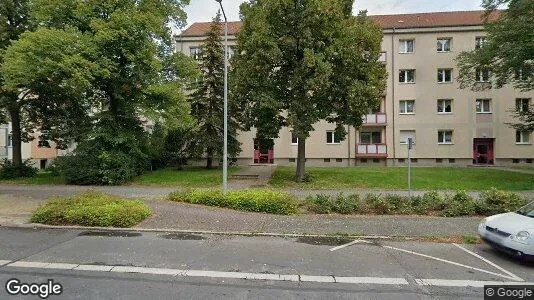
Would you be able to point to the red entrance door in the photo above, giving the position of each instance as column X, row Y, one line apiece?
column 483, row 153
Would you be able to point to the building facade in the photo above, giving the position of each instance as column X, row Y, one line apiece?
column 423, row 101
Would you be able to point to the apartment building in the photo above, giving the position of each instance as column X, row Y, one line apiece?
column 423, row 101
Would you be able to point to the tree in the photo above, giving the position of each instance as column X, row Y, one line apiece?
column 508, row 52
column 301, row 61
column 14, row 20
column 207, row 101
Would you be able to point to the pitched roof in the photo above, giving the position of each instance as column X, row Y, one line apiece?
column 399, row 21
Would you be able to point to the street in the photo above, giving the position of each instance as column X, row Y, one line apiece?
column 158, row 265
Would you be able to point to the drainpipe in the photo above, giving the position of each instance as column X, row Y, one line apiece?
column 348, row 141
column 393, row 93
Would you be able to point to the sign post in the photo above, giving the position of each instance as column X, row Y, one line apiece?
column 410, row 146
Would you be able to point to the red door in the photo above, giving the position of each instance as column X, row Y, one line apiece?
column 483, row 153
column 263, row 151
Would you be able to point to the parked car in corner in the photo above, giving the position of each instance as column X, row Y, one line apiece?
column 511, row 232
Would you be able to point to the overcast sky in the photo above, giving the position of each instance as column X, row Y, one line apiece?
column 204, row 10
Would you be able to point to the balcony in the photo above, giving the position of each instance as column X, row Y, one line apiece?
column 372, row 150
column 375, row 119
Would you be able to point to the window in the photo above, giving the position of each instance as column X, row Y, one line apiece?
column 383, row 57
column 479, row 42
column 363, row 160
column 439, row 160
column 376, row 160
column 406, row 46
column 483, row 106
column 294, row 139
column 444, row 75
column 407, row 107
column 370, row 137
column 521, row 75
column 339, row 160
column 407, row 76
column 405, row 134
column 43, row 144
column 194, row 52
column 452, row 161
column 10, row 140
column 327, row 160
column 483, row 75
column 414, row 160
column 528, row 160
column 522, row 104
column 444, row 106
column 401, row 160
column 444, row 45
column 231, row 51
column 332, row 138
column 445, row 137
column 291, row 160
column 522, row 137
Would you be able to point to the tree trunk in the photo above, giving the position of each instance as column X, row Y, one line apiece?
column 16, row 133
column 209, row 158
column 301, row 160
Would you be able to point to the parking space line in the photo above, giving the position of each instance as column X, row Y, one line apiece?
column 465, row 283
column 450, row 262
column 490, row 263
column 350, row 244
column 4, row 262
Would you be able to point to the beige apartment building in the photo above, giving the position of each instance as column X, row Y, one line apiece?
column 423, row 101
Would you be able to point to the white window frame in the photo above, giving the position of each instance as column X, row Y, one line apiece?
column 292, row 138
column 441, row 45
column 442, row 104
column 333, row 136
column 406, row 72
column 403, row 105
column 482, row 77
column 405, row 141
column 442, row 134
column 194, row 52
column 482, row 109
column 519, row 104
column 442, row 75
column 404, row 46
column 9, row 140
column 522, row 137
column 479, row 42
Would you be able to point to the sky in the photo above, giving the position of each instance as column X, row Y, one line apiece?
column 205, row 10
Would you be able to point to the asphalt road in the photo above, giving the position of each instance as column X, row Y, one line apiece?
column 129, row 265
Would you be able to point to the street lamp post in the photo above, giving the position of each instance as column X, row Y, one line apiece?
column 225, row 150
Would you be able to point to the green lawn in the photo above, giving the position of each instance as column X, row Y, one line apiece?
column 44, row 178
column 190, row 177
column 397, row 178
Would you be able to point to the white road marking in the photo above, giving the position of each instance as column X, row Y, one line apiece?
column 96, row 268
column 155, row 271
column 28, row 264
column 465, row 283
column 307, row 278
column 4, row 262
column 451, row 262
column 350, row 244
column 372, row 280
column 490, row 263
column 60, row 266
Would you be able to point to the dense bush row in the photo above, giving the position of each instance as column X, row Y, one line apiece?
column 432, row 203
column 92, row 209
column 266, row 201
column 9, row 171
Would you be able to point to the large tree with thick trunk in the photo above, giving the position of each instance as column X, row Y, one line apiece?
column 301, row 61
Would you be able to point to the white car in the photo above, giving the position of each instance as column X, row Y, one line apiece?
column 511, row 232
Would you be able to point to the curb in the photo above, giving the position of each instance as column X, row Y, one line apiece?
column 207, row 232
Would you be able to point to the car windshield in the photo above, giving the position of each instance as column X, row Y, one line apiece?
column 527, row 210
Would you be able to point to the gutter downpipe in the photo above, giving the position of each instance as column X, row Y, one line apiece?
column 393, row 93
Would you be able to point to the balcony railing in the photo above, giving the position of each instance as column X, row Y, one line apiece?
column 372, row 150
column 375, row 119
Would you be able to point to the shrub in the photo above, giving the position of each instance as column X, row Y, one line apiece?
column 378, row 204
column 325, row 204
column 429, row 202
column 10, row 171
column 494, row 202
column 461, row 204
column 398, row 204
column 266, row 201
column 92, row 209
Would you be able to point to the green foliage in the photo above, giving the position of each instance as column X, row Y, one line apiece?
column 461, row 204
column 325, row 204
column 300, row 62
column 495, row 202
column 207, row 100
column 181, row 144
column 9, row 170
column 92, row 209
column 428, row 203
column 265, row 201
